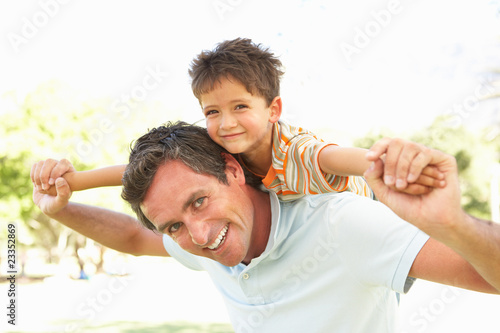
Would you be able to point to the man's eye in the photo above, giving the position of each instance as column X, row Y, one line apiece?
column 174, row 227
column 199, row 202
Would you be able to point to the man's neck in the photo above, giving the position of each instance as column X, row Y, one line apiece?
column 261, row 223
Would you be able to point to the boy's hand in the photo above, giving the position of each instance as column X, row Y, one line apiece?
column 46, row 174
column 406, row 166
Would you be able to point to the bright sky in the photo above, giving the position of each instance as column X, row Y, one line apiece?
column 351, row 66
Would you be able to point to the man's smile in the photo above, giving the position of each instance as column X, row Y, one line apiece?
column 220, row 239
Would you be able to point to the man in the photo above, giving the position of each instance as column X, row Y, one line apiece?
column 329, row 262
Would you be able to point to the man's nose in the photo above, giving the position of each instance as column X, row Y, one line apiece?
column 199, row 232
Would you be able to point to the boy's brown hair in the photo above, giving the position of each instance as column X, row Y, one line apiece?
column 251, row 64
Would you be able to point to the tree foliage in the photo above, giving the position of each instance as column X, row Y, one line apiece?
column 475, row 156
column 55, row 121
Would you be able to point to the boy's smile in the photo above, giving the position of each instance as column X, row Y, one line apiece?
column 240, row 121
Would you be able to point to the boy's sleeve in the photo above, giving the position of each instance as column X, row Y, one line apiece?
column 295, row 167
column 301, row 168
column 304, row 175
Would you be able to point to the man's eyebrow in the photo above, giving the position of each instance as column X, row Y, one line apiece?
column 163, row 226
column 194, row 196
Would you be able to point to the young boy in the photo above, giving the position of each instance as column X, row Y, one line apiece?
column 238, row 87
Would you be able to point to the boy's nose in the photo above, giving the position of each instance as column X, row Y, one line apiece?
column 227, row 122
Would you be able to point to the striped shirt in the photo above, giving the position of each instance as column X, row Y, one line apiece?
column 295, row 169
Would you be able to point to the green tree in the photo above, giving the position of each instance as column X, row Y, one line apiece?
column 474, row 155
column 55, row 121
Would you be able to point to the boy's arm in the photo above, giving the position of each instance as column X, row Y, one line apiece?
column 343, row 161
column 411, row 175
column 83, row 180
column 112, row 229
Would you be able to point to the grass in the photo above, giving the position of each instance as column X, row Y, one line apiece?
column 132, row 327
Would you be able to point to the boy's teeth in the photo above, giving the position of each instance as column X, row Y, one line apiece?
column 219, row 239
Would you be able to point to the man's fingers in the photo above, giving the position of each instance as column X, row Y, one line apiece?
column 63, row 190
column 373, row 176
column 36, row 175
column 408, row 160
column 375, row 172
column 393, row 152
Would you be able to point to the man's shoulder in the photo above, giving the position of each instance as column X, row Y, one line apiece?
column 317, row 200
column 321, row 206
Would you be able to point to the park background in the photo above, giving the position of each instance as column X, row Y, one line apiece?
column 82, row 79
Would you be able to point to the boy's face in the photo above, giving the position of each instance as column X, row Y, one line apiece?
column 237, row 120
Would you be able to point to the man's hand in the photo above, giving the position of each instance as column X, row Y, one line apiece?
column 434, row 211
column 45, row 174
column 406, row 166
column 439, row 214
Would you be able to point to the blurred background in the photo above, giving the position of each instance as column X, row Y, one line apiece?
column 82, row 79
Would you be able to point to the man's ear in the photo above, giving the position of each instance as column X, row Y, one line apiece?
column 275, row 109
column 233, row 168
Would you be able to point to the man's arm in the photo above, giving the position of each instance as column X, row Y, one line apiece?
column 111, row 229
column 464, row 251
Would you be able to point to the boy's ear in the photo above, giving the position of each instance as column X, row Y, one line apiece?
column 233, row 168
column 275, row 109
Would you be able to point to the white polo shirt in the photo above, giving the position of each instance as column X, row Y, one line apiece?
column 334, row 263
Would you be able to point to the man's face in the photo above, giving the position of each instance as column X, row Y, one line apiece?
column 203, row 216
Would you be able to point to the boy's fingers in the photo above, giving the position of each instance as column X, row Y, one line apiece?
column 430, row 181
column 378, row 149
column 60, row 169
column 416, row 189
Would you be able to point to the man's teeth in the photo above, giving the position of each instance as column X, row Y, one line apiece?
column 219, row 239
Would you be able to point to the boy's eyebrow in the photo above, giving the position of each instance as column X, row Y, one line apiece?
column 237, row 100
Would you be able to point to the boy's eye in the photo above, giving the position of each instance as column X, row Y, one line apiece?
column 241, row 106
column 174, row 227
column 210, row 112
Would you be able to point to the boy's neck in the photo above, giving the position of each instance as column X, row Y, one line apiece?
column 260, row 159
column 258, row 162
